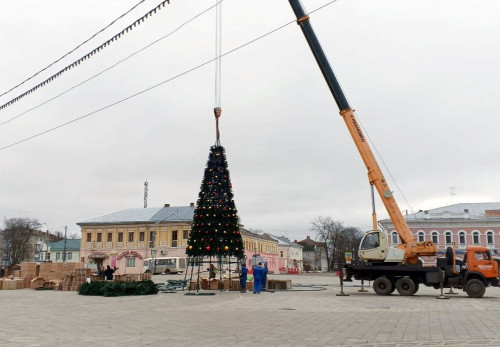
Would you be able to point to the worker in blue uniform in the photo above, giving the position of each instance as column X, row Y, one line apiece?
column 258, row 273
column 264, row 277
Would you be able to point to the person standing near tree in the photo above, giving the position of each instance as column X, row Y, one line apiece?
column 264, row 277
column 258, row 273
column 108, row 273
column 211, row 271
column 243, row 278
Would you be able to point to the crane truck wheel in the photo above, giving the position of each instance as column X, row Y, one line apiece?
column 382, row 286
column 406, row 286
column 475, row 288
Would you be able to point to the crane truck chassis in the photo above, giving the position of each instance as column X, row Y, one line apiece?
column 398, row 268
column 473, row 274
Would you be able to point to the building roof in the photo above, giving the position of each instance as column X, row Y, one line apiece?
column 71, row 245
column 145, row 215
column 310, row 241
column 469, row 211
column 247, row 233
column 284, row 241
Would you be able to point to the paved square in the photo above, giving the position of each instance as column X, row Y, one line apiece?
column 309, row 315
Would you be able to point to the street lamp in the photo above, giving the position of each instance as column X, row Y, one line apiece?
column 47, row 240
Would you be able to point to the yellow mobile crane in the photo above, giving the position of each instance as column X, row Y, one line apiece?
column 374, row 246
column 399, row 268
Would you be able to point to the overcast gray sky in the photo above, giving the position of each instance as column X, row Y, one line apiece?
column 422, row 75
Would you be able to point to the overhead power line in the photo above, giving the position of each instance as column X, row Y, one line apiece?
column 82, row 59
column 158, row 84
column 112, row 66
column 74, row 49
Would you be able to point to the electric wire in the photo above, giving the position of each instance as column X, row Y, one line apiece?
column 85, row 57
column 74, row 49
column 114, row 65
column 152, row 87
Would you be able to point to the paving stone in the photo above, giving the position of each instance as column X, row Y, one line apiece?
column 312, row 316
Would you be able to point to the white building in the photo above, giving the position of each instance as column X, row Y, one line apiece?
column 464, row 224
column 290, row 253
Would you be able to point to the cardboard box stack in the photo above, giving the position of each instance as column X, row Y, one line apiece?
column 12, row 283
column 36, row 283
column 213, row 284
column 279, row 284
column 57, row 276
column 193, row 285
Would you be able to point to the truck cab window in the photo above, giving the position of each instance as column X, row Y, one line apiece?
column 482, row 256
column 371, row 241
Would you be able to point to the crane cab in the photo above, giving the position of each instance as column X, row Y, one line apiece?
column 374, row 247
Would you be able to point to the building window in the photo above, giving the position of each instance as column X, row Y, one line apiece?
column 69, row 255
column 489, row 236
column 131, row 237
column 130, row 262
column 185, row 234
column 394, row 238
column 110, row 237
column 58, row 256
column 120, row 237
column 435, row 237
column 47, row 256
column 475, row 237
column 281, row 254
column 99, row 237
column 461, row 238
column 89, row 237
column 421, row 236
column 141, row 236
column 174, row 238
column 448, row 238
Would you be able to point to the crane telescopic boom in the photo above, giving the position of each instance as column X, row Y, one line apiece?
column 375, row 176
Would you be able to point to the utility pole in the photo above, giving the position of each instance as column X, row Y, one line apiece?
column 146, row 194
column 64, row 250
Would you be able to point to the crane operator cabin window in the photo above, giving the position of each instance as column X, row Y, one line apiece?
column 371, row 241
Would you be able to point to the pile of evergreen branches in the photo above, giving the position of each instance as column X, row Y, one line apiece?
column 105, row 288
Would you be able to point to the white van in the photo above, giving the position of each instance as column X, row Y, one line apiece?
column 167, row 265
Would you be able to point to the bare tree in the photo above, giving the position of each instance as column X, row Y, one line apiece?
column 59, row 235
column 17, row 236
column 327, row 230
column 338, row 239
column 347, row 241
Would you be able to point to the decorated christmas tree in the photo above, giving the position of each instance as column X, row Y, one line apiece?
column 215, row 230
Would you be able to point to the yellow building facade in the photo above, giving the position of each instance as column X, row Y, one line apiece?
column 126, row 239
